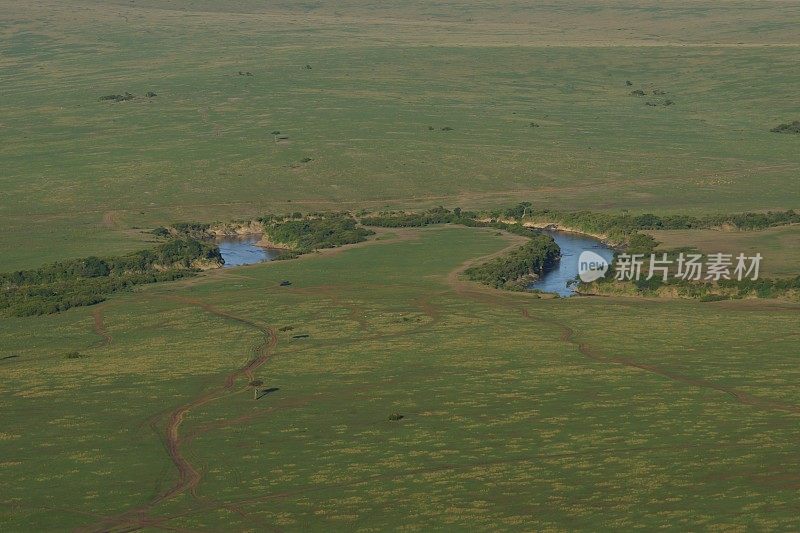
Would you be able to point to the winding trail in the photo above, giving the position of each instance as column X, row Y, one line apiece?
column 568, row 335
column 188, row 476
column 100, row 327
column 514, row 300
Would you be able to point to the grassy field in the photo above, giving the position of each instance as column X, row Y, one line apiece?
column 780, row 246
column 519, row 413
column 79, row 175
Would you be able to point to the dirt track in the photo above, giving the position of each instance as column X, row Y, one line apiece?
column 99, row 326
column 188, row 476
column 514, row 300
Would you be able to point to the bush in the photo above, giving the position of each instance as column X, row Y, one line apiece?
column 793, row 127
column 79, row 282
column 194, row 230
column 514, row 270
column 117, row 97
column 306, row 235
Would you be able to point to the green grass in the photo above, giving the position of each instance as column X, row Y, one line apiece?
column 780, row 246
column 507, row 425
column 665, row 414
column 202, row 148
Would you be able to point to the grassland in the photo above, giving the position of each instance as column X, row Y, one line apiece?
column 519, row 413
column 79, row 175
column 780, row 247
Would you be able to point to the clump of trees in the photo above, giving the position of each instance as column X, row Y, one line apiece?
column 792, row 127
column 191, row 230
column 517, row 269
column 437, row 215
column 117, row 97
column 624, row 230
column 306, row 235
column 78, row 282
column 620, row 225
column 723, row 289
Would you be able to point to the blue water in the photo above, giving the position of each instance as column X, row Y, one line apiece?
column 561, row 279
column 238, row 251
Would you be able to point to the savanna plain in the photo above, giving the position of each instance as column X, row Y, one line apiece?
column 390, row 392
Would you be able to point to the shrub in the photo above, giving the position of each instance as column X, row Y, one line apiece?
column 117, row 97
column 79, row 282
column 306, row 235
column 520, row 266
column 793, row 127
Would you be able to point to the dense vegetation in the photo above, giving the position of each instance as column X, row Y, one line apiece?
column 515, row 270
column 437, row 215
column 623, row 224
column 60, row 286
column 440, row 215
column 618, row 227
column 621, row 229
column 117, row 97
column 192, row 230
column 721, row 290
column 306, row 235
column 793, row 127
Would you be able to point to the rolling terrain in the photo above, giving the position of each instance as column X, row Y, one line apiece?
column 518, row 412
column 363, row 93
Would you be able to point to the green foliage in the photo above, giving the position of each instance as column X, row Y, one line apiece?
column 161, row 232
column 620, row 225
column 707, row 292
column 793, row 127
column 194, row 230
column 314, row 233
column 63, row 285
column 440, row 215
column 117, row 97
column 515, row 269
column 437, row 215
column 641, row 243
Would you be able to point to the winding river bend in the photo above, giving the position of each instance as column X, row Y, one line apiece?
column 561, row 278
column 244, row 250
